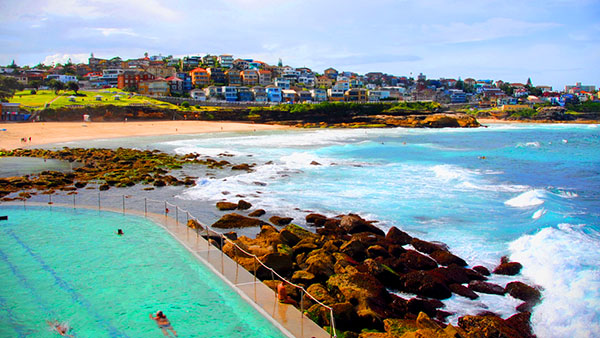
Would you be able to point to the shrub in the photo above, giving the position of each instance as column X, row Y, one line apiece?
column 185, row 104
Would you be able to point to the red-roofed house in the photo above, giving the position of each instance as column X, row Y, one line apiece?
column 200, row 77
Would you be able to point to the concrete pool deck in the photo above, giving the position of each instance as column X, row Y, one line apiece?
column 287, row 318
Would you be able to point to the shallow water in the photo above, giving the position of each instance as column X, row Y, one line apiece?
column 70, row 266
column 528, row 191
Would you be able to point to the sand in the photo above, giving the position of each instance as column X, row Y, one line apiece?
column 53, row 132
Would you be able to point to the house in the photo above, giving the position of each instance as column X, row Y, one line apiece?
column 520, row 92
column 187, row 81
column 226, row 60
column 161, row 71
column 319, row 95
column 198, row 94
column 304, row 95
column 110, row 76
column 156, row 87
column 470, row 81
column 244, row 94
column 336, row 94
column 210, row 60
column 260, row 94
column 250, row 77
column 175, row 84
column 356, row 95
column 213, row 92
column 132, row 78
column 517, row 85
column 234, row 77
column 62, row 78
column 324, row 81
column 544, row 89
column 578, row 87
column 12, row 112
column 457, row 96
column 230, row 93
column 241, row 64
column 282, row 83
column 264, row 77
column 273, row 93
column 378, row 95
column 289, row 95
column 190, row 62
column 200, row 77
column 342, row 84
column 307, row 80
column 331, row 73
column 217, row 76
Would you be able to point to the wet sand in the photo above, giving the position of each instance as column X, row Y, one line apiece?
column 54, row 132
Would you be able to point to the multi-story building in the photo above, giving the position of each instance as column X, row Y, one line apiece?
column 336, row 93
column 273, row 93
column 154, row 88
column 161, row 71
column 187, row 81
column 226, row 60
column 234, row 77
column 209, row 60
column 319, row 94
column 457, row 96
column 175, row 84
column 111, row 76
column 289, row 95
column 230, row 93
column 356, row 95
column 282, row 83
column 200, row 77
column 217, row 76
column 244, row 94
column 250, row 77
column 214, row 92
column 324, row 81
column 304, row 96
column 264, row 77
column 198, row 94
column 331, row 73
column 260, row 94
column 61, row 78
column 132, row 79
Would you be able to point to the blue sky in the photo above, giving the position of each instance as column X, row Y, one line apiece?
column 555, row 42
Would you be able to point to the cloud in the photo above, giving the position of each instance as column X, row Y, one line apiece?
column 116, row 31
column 64, row 58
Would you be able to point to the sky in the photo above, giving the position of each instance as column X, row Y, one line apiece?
column 553, row 42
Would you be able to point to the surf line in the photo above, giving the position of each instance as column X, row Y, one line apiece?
column 25, row 283
column 75, row 296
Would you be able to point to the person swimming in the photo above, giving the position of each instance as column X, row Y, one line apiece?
column 60, row 328
column 163, row 323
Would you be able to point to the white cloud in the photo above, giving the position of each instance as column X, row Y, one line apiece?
column 116, row 31
column 63, row 58
column 95, row 9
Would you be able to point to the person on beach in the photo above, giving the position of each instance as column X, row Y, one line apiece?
column 120, row 232
column 282, row 295
column 163, row 323
column 61, row 329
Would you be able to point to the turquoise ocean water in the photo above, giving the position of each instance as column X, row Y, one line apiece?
column 531, row 192
column 70, row 266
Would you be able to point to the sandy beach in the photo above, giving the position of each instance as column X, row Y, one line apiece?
column 53, row 132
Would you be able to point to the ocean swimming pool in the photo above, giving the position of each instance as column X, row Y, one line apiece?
column 69, row 265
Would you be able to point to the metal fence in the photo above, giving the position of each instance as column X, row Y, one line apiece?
column 142, row 206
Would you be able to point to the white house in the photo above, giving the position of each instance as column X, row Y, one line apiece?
column 62, row 78
column 198, row 94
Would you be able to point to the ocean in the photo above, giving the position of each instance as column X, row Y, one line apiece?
column 530, row 192
column 527, row 191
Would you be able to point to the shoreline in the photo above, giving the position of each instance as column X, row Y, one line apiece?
column 484, row 121
column 42, row 133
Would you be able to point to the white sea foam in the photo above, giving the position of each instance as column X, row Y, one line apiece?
column 528, row 145
column 565, row 262
column 539, row 213
column 527, row 199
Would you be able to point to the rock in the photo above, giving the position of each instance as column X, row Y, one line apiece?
column 521, row 322
column 80, row 184
column 232, row 235
column 396, row 250
column 383, row 273
column 523, row 292
column 194, row 224
column 397, row 327
column 244, row 166
column 315, row 163
column 455, row 274
column 353, row 224
column 303, row 277
column 508, row 268
column 428, row 328
column 418, row 305
column 377, row 251
column 280, row 220
column 316, row 219
column 488, row 326
column 305, row 245
column 320, row 263
column 223, row 206
column 368, row 334
column 463, row 291
column 257, row 213
column 485, row 287
column 423, row 284
column 292, row 234
column 243, row 205
column 318, row 291
column 427, row 247
column 446, row 258
column 234, row 220
column 482, row 270
column 354, row 248
column 281, row 263
column 417, row 261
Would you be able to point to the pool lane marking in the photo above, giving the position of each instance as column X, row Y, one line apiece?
column 12, row 319
column 75, row 296
column 24, row 282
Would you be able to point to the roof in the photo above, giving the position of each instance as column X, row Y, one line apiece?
column 173, row 78
column 197, row 70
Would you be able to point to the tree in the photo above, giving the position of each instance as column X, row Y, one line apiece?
column 56, row 86
column 8, row 87
column 72, row 85
column 35, row 84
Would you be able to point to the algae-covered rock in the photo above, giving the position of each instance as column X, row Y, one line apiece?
column 224, row 206
column 257, row 213
column 243, row 205
column 234, row 220
column 277, row 220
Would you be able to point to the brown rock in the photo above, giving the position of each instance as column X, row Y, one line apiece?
column 321, row 294
column 320, row 263
column 354, row 248
column 508, row 268
column 398, row 327
column 463, row 291
column 446, row 258
column 234, row 220
column 377, row 251
column 223, row 206
column 488, row 326
column 280, row 220
column 243, row 205
column 279, row 262
column 316, row 219
column 244, row 166
column 523, row 291
column 303, row 277
column 418, row 305
column 427, row 247
column 257, row 213
column 423, row 284
column 192, row 223
column 521, row 323
column 485, row 287
column 482, row 270
column 305, row 245
column 417, row 261
column 353, row 224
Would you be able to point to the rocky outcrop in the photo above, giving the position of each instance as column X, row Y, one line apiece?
column 508, row 268
column 233, row 220
column 226, row 206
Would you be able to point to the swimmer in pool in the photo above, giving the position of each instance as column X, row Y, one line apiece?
column 163, row 323
column 60, row 328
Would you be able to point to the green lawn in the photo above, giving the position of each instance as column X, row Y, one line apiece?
column 43, row 97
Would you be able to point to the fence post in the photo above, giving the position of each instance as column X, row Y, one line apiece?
column 254, row 264
column 49, row 198
column 237, row 265
column 177, row 215
column 99, row 200
column 207, row 239
column 302, row 312
column 123, row 203
column 166, row 209
column 73, row 201
column 145, row 208
column 222, row 256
